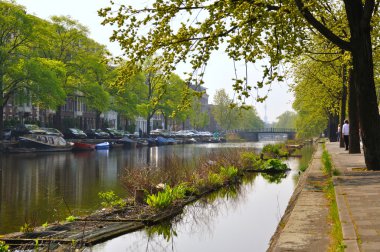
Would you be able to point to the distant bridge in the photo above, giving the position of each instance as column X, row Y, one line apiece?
column 254, row 134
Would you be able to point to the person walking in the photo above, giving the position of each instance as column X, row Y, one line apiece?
column 346, row 133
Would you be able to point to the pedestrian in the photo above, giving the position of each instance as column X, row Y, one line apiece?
column 338, row 133
column 346, row 133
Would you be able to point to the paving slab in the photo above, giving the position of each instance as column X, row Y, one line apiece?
column 307, row 227
column 358, row 196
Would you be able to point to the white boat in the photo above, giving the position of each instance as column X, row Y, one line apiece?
column 102, row 146
column 41, row 142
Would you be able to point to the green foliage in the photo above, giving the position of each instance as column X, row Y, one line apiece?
column 45, row 225
column 26, row 228
column 229, row 173
column 286, row 120
column 110, row 199
column 71, row 218
column 165, row 198
column 274, row 164
column 251, row 160
column 4, row 247
column 215, row 179
column 275, row 150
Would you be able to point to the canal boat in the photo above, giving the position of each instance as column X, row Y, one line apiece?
column 102, row 146
column 161, row 141
column 127, row 142
column 79, row 146
column 38, row 142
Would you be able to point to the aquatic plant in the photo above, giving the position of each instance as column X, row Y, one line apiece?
column 275, row 150
column 251, row 160
column 229, row 173
column 166, row 197
column 110, row 199
column 274, row 164
column 4, row 247
column 26, row 228
column 71, row 218
column 215, row 179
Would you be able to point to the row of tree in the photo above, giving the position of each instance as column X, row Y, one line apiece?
column 48, row 60
column 278, row 30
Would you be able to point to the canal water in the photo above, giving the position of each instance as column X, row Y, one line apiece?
column 48, row 187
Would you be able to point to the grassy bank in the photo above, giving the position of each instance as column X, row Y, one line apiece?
column 336, row 236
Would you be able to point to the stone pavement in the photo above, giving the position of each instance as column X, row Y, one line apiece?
column 358, row 198
column 304, row 226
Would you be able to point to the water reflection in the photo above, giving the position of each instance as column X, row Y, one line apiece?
column 41, row 187
column 238, row 218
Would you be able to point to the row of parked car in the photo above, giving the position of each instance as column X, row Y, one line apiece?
column 70, row 133
column 181, row 133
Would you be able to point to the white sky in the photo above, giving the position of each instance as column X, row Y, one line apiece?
column 219, row 71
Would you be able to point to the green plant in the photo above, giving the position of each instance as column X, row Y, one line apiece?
column 229, row 173
column 249, row 159
column 110, row 199
column 160, row 200
column 71, row 218
column 275, row 164
column 26, row 228
column 45, row 225
column 36, row 245
column 4, row 247
column 215, row 179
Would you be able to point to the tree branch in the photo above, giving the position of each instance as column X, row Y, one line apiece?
column 327, row 33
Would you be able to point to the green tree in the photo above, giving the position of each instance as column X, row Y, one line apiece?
column 22, row 70
column 249, row 119
column 197, row 117
column 225, row 115
column 254, row 30
column 286, row 120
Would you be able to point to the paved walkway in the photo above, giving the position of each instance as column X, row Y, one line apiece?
column 305, row 221
column 306, row 228
column 358, row 198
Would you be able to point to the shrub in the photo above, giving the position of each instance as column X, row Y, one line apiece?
column 215, row 179
column 229, row 173
column 4, row 247
column 275, row 164
column 71, row 218
column 26, row 228
column 275, row 150
column 160, row 200
column 110, row 199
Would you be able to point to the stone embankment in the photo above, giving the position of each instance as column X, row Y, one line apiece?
column 306, row 226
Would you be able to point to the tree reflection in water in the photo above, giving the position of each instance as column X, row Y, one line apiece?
column 200, row 216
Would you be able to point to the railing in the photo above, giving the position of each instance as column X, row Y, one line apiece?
column 267, row 130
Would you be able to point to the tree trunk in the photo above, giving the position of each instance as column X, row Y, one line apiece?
column 148, row 125
column 364, row 83
column 57, row 119
column 354, row 146
column 97, row 119
column 1, row 121
column 343, row 104
column 332, row 127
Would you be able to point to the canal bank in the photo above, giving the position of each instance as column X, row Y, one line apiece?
column 306, row 226
column 259, row 191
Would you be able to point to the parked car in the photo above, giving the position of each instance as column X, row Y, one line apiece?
column 74, row 133
column 24, row 129
column 52, row 131
column 97, row 133
column 114, row 133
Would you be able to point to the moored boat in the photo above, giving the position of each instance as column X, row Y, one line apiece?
column 38, row 142
column 102, row 146
column 127, row 142
column 80, row 146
